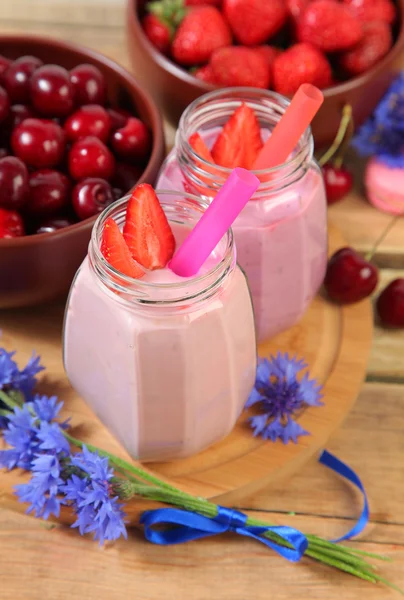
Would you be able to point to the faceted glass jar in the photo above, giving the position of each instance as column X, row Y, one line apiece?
column 167, row 367
column 281, row 235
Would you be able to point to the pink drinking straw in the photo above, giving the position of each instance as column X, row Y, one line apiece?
column 288, row 131
column 215, row 221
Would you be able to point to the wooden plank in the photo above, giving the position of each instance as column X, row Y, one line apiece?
column 36, row 564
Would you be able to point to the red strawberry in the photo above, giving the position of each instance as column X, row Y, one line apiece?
column 296, row 8
column 199, row 2
column 11, row 224
column 330, row 26
column 239, row 142
column 372, row 10
column 146, row 230
column 375, row 44
column 205, row 74
column 199, row 146
column 116, row 252
column 269, row 53
column 158, row 31
column 254, row 21
column 237, row 67
column 201, row 32
column 302, row 63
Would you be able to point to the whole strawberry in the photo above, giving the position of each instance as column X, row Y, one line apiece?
column 299, row 64
column 373, row 10
column 269, row 53
column 254, row 21
column 375, row 44
column 205, row 74
column 158, row 31
column 330, row 26
column 237, row 67
column 202, row 31
column 217, row 3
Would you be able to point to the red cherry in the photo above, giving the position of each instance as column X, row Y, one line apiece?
column 4, row 105
column 51, row 225
column 14, row 187
column 349, row 277
column 18, row 113
column 91, row 119
column 4, row 64
column 132, row 141
column 38, row 143
column 49, row 193
column 90, row 196
column 88, row 85
column 338, row 182
column 119, row 117
column 52, row 91
column 17, row 78
column 11, row 224
column 125, row 177
column 390, row 304
column 89, row 157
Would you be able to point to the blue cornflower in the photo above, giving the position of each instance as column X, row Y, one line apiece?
column 21, row 435
column 279, row 393
column 46, row 408
column 44, row 489
column 97, row 510
column 382, row 135
column 11, row 377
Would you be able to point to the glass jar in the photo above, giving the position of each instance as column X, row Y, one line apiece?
column 166, row 366
column 281, row 235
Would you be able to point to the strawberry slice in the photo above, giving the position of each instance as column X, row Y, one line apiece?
column 199, row 146
column 240, row 141
column 116, row 252
column 146, row 230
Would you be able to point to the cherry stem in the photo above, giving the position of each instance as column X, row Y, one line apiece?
column 339, row 138
column 339, row 158
column 382, row 237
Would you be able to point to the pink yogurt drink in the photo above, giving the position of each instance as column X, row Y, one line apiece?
column 167, row 363
column 281, row 235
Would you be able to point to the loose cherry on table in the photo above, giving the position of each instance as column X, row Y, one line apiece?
column 89, row 157
column 390, row 304
column 4, row 105
column 119, row 117
column 51, row 225
column 132, row 141
column 349, row 277
column 11, row 224
column 38, row 143
column 90, row 196
column 88, row 85
column 91, row 119
column 51, row 91
column 14, row 188
column 338, row 182
column 49, row 193
column 17, row 78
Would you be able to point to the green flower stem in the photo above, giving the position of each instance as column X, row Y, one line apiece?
column 8, row 401
column 4, row 413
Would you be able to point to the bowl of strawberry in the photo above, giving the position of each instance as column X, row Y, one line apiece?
column 77, row 132
column 350, row 49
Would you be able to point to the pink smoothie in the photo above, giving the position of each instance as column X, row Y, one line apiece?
column 281, row 242
column 167, row 380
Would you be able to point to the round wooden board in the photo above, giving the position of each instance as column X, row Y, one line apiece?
column 335, row 342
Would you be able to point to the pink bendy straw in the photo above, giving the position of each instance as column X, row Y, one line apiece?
column 288, row 131
column 215, row 221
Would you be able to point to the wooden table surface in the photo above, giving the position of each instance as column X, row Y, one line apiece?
column 38, row 562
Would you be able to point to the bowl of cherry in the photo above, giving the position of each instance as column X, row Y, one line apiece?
column 77, row 132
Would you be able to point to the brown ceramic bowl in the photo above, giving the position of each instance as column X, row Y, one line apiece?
column 38, row 268
column 174, row 88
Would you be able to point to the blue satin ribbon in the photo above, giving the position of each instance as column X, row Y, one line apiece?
column 192, row 526
column 332, row 462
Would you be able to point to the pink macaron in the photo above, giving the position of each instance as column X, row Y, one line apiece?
column 385, row 186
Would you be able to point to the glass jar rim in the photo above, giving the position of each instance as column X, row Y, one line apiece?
column 292, row 162
column 145, row 286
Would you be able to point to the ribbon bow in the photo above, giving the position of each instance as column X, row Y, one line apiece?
column 192, row 526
